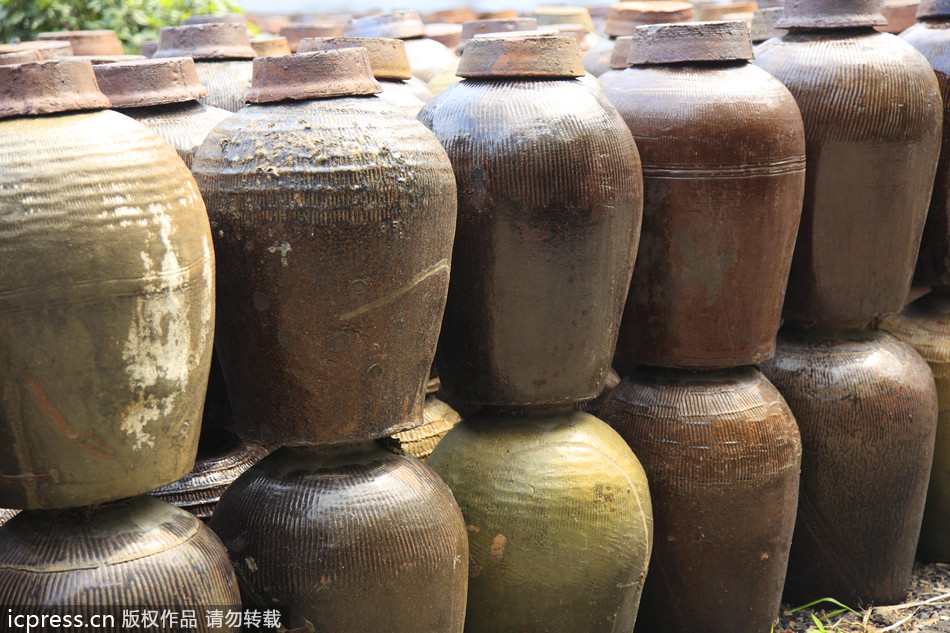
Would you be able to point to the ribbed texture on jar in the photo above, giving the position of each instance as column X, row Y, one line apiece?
column 559, row 522
column 348, row 538
column 723, row 155
column 870, row 104
column 438, row 419
column 866, row 408
column 183, row 125
column 356, row 190
column 107, row 253
column 550, row 202
column 227, row 81
column 427, row 58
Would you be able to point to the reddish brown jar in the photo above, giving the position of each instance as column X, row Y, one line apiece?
column 872, row 112
column 723, row 178
column 549, row 217
column 335, row 238
column 87, row 42
column 866, row 407
column 223, row 59
column 427, row 57
column 722, row 453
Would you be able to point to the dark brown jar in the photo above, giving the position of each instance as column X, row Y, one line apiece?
column 140, row 553
column 872, row 112
column 350, row 538
column 866, row 407
column 223, row 59
column 106, row 296
column 723, row 179
column 722, row 453
column 427, row 57
column 332, row 215
column 87, row 42
column 549, row 217
column 931, row 36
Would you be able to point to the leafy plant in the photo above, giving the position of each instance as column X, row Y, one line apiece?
column 135, row 21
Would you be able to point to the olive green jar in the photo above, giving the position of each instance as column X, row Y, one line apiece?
column 107, row 286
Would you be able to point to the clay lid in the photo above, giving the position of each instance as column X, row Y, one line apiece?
column 456, row 15
column 109, row 59
column 150, row 82
column 231, row 18
column 502, row 14
column 449, row 35
column 270, row 45
column 52, row 85
column 497, row 25
column 763, row 23
column 933, row 9
column 831, row 14
column 46, row 49
column 87, row 42
column 521, row 54
column 299, row 30
column 317, row 75
column 690, row 42
column 216, row 40
column 623, row 17
column 387, row 57
column 148, row 48
column 770, row 4
column 398, row 24
column 556, row 14
column 716, row 11
column 21, row 57
column 618, row 56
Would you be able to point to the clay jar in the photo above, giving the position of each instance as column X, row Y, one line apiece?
column 426, row 57
column 618, row 60
column 108, row 296
column 223, row 59
column 141, row 553
column 350, row 537
column 931, row 36
column 925, row 326
column 87, row 42
column 162, row 94
column 549, row 218
column 866, row 407
column 723, row 177
column 718, row 447
column 335, row 238
column 387, row 58
column 872, row 113
column 559, row 521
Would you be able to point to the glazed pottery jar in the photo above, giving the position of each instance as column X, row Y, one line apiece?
column 426, row 56
column 723, row 179
column 223, row 59
column 335, row 238
column 351, row 538
column 718, row 447
column 872, row 112
column 298, row 31
column 107, row 286
column 137, row 553
column 549, row 217
column 87, row 42
column 866, row 407
column 559, row 521
column 618, row 60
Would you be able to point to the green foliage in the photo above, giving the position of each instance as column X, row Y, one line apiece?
column 135, row 21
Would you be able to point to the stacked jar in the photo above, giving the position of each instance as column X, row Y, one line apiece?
column 549, row 193
column 865, row 402
column 332, row 215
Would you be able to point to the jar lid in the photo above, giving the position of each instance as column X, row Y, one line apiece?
column 150, row 82
column 571, row 30
column 21, row 57
column 215, row 40
column 48, row 86
column 299, row 30
column 521, row 54
column 212, row 18
column 399, row 24
column 87, row 42
column 618, row 56
column 445, row 33
column 149, row 47
column 831, row 14
column 47, row 49
column 623, row 17
column 556, row 14
column 497, row 25
column 317, row 75
column 270, row 45
column 690, row 42
column 933, row 9
column 387, row 57
column 763, row 23
column 109, row 59
column 455, row 15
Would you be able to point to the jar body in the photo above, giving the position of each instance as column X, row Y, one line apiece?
column 183, row 125
column 228, row 81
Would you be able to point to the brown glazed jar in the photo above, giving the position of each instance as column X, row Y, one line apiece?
column 550, row 201
column 105, row 251
column 162, row 94
column 335, row 238
column 427, row 57
column 931, row 36
column 87, row 42
column 223, row 59
column 351, row 538
column 866, row 407
column 723, row 179
column 387, row 58
column 722, row 453
column 137, row 553
column 872, row 112
column 925, row 326
column 304, row 30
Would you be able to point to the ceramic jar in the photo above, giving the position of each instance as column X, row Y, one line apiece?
column 335, row 239
column 872, row 112
column 549, row 216
column 426, row 56
column 108, row 296
column 723, row 177
column 87, row 42
column 618, row 60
